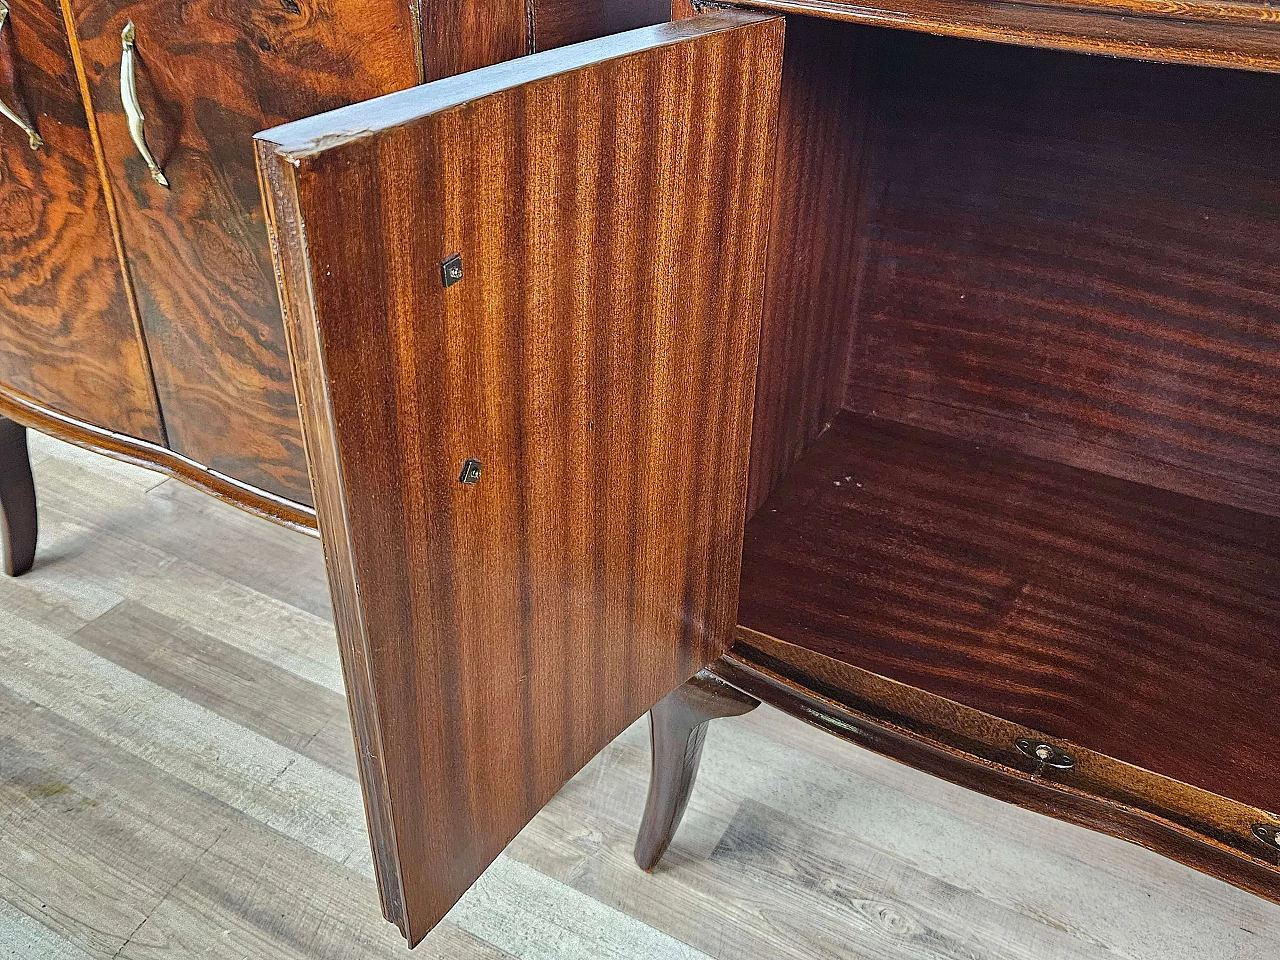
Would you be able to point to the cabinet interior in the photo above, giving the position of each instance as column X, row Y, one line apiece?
column 1017, row 426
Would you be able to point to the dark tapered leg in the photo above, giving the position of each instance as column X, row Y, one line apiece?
column 678, row 725
column 17, row 500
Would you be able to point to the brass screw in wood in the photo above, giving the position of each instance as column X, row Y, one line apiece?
column 1267, row 833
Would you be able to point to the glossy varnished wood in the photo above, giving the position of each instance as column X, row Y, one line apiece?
column 612, row 231
column 17, row 500
column 463, row 35
column 1138, row 623
column 677, row 730
column 210, row 75
column 1071, row 256
column 811, row 291
column 1244, row 36
column 67, row 336
column 975, row 750
column 556, row 23
column 280, row 510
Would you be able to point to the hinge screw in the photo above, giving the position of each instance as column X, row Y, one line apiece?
column 451, row 270
column 1046, row 753
column 1267, row 833
column 470, row 472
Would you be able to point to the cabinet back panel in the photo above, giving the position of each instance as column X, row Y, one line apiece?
column 1075, row 257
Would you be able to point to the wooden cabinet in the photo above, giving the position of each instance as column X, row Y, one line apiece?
column 68, row 339
column 208, row 77
column 138, row 311
column 922, row 382
column 142, row 318
column 1014, row 437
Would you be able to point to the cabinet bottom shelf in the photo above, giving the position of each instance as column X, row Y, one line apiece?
column 1135, row 622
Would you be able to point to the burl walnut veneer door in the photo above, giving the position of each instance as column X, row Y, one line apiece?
column 530, row 479
column 206, row 77
column 68, row 341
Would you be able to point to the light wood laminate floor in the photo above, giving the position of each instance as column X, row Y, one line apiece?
column 177, row 780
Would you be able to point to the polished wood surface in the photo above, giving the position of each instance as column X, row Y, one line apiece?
column 67, row 335
column 559, row 22
column 811, row 290
column 976, row 750
column 1245, row 36
column 677, row 730
column 463, row 35
column 17, row 501
column 497, row 635
column 209, row 76
column 1139, row 623
column 1071, row 257
column 283, row 511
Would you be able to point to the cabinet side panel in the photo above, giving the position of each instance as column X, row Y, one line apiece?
column 463, row 35
column 596, row 358
column 560, row 22
column 813, row 268
column 67, row 337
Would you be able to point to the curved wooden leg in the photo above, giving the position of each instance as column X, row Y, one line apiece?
column 17, row 500
column 678, row 725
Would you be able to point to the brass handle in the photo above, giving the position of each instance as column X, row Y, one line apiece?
column 129, row 97
column 33, row 138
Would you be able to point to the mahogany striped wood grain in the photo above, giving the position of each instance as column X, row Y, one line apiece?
column 598, row 358
column 62, row 294
column 1138, row 623
column 1074, row 257
column 811, row 290
column 463, row 35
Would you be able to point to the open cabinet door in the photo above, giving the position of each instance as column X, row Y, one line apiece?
column 523, row 307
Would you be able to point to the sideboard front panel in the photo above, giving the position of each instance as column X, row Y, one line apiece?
column 208, row 77
column 67, row 338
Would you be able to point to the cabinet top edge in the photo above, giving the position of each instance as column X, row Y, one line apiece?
column 1204, row 33
column 300, row 140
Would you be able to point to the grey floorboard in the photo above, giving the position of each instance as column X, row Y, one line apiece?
column 176, row 780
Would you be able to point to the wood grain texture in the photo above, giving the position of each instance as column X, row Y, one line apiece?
column 556, row 23
column 62, row 293
column 974, row 749
column 463, row 35
column 1135, row 622
column 1242, row 36
column 1070, row 257
column 131, row 450
column 677, row 730
column 17, row 500
column 611, row 226
column 811, row 290
column 210, row 75
column 1258, row 12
